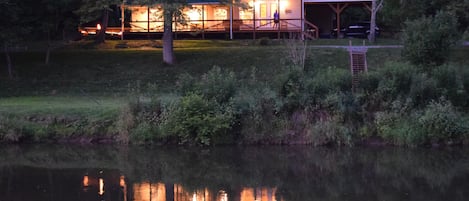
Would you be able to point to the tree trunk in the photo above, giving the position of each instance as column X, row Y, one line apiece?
column 48, row 48
column 8, row 59
column 101, row 36
column 168, row 54
column 372, row 35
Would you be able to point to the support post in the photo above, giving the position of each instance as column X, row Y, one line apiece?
column 338, row 9
column 254, row 20
column 279, row 22
column 148, row 22
column 231, row 21
column 203, row 22
column 122, row 19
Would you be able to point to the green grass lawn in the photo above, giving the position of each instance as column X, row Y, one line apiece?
column 104, row 71
column 54, row 105
column 80, row 74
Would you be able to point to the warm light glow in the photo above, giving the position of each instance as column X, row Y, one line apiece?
column 86, row 181
column 194, row 14
column 283, row 4
column 222, row 196
column 98, row 27
column 194, row 196
column 101, row 186
column 247, row 194
column 122, row 181
column 258, row 194
column 149, row 192
column 221, row 14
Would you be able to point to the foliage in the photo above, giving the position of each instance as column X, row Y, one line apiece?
column 440, row 122
column 397, row 125
column 196, row 121
column 396, row 12
column 427, row 40
column 258, row 111
column 451, row 83
column 217, row 85
column 330, row 131
column 326, row 81
column 93, row 9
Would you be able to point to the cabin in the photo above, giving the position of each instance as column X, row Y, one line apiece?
column 309, row 19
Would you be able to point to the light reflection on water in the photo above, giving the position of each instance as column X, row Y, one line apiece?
column 107, row 173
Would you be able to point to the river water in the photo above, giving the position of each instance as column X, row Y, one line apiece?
column 263, row 173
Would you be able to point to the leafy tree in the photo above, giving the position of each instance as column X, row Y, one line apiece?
column 172, row 9
column 93, row 9
column 12, row 27
column 56, row 17
column 396, row 12
column 427, row 40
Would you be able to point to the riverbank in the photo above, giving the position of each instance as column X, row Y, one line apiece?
column 213, row 97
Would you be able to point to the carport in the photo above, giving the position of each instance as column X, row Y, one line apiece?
column 325, row 14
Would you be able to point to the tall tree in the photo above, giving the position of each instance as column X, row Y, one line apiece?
column 376, row 5
column 172, row 9
column 94, row 9
column 56, row 17
column 397, row 12
column 12, row 29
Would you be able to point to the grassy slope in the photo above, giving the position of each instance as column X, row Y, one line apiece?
column 83, row 78
column 110, row 71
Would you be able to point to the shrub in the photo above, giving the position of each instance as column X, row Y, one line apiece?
column 196, row 120
column 331, row 79
column 143, row 133
column 399, row 128
column 451, row 83
column 442, row 123
column 423, row 89
column 330, row 131
column 258, row 111
column 216, row 84
column 395, row 80
column 187, row 84
column 438, row 123
column 292, row 89
column 398, row 124
column 427, row 40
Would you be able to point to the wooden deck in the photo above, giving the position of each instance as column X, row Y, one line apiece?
column 260, row 27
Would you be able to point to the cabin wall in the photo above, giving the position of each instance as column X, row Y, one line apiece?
column 216, row 17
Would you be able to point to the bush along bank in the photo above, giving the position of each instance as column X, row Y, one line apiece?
column 398, row 104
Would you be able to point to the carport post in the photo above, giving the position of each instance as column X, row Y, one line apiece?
column 338, row 9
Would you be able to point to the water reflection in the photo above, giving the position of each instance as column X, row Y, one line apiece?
column 232, row 174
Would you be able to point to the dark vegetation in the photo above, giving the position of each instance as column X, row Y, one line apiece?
column 243, row 95
column 242, row 92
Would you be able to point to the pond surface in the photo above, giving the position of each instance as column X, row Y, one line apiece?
column 110, row 173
